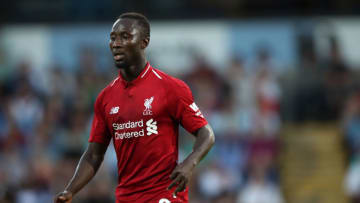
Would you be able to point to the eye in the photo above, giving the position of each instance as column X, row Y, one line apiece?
column 125, row 36
column 112, row 38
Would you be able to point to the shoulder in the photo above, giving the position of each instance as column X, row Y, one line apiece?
column 171, row 82
column 174, row 87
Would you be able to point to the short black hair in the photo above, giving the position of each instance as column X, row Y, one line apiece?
column 141, row 20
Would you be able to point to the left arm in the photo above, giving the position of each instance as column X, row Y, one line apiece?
column 205, row 139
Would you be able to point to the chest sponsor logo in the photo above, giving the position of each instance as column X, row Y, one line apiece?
column 124, row 130
column 147, row 104
column 128, row 125
column 114, row 110
column 151, row 127
column 196, row 109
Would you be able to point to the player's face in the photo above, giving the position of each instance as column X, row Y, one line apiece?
column 125, row 42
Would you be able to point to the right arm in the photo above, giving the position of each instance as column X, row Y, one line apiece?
column 85, row 171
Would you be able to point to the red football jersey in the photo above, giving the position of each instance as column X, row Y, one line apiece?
column 142, row 117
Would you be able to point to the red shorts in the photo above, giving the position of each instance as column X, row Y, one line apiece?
column 163, row 197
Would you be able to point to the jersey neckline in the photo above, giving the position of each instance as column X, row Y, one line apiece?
column 143, row 74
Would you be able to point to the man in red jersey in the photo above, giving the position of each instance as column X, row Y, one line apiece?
column 141, row 111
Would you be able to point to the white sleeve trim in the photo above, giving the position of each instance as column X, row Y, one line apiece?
column 157, row 75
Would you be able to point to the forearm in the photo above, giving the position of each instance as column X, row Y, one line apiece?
column 205, row 139
column 85, row 170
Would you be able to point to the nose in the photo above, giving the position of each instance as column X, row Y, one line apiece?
column 116, row 43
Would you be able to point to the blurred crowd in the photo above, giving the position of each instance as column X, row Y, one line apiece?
column 45, row 117
column 243, row 107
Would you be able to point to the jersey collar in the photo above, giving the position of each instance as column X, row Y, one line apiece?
column 144, row 73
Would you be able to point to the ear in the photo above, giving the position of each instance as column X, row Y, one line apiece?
column 145, row 42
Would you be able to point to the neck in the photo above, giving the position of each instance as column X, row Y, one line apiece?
column 131, row 72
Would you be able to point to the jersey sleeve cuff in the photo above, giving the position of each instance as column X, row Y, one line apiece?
column 198, row 126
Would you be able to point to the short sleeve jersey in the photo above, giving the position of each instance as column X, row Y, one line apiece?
column 142, row 117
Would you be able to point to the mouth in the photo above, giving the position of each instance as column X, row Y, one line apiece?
column 118, row 56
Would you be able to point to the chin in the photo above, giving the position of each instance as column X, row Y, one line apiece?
column 120, row 64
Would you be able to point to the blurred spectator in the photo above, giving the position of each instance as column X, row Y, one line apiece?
column 258, row 187
column 351, row 122
column 241, row 100
column 351, row 130
column 214, row 181
column 304, row 89
column 4, row 121
column 337, row 82
column 74, row 137
column 61, row 83
column 207, row 85
column 26, row 109
column 241, row 82
column 352, row 180
column 5, row 68
column 268, row 100
column 36, row 187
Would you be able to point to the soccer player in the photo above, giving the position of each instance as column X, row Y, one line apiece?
column 141, row 111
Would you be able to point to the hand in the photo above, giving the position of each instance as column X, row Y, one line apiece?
column 181, row 176
column 63, row 197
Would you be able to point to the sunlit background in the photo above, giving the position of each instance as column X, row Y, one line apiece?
column 278, row 81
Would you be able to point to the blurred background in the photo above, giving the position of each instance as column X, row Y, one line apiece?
column 277, row 80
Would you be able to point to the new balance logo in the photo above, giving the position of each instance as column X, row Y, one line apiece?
column 196, row 109
column 114, row 110
column 151, row 127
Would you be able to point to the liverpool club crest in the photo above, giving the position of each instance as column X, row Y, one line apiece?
column 147, row 105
